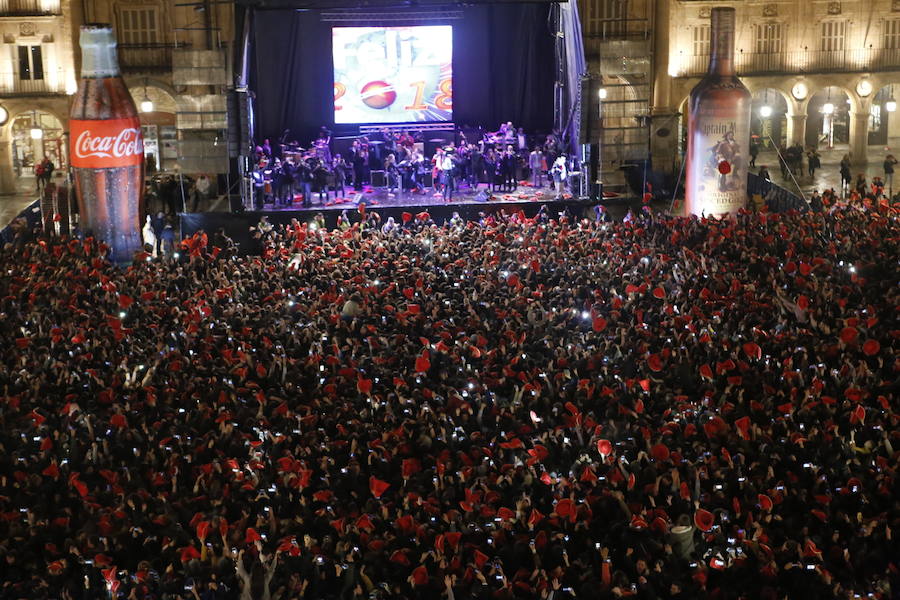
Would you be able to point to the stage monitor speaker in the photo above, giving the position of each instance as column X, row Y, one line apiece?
column 482, row 196
column 377, row 179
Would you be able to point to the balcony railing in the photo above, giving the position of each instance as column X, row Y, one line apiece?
column 30, row 8
column 803, row 61
column 146, row 57
column 51, row 84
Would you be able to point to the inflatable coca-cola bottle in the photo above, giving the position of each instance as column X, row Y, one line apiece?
column 106, row 148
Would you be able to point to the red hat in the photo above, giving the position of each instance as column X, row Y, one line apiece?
column 764, row 502
column 849, row 334
column 252, row 536
column 659, row 292
column 406, row 217
column 704, row 519
column 377, row 487
column 753, row 350
column 743, row 427
column 480, row 558
column 858, row 415
column 660, row 452
column 598, row 324
column 871, row 347
column 604, row 447
column 420, row 575
column 654, row 362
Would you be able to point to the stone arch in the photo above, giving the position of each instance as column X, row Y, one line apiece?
column 26, row 151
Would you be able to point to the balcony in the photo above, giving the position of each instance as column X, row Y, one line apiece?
column 145, row 58
column 28, row 8
column 51, row 84
column 804, row 61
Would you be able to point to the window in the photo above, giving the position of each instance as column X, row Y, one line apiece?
column 138, row 26
column 604, row 16
column 768, row 38
column 833, row 36
column 700, row 40
column 891, row 39
column 31, row 65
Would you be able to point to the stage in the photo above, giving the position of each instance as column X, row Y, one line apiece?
column 527, row 199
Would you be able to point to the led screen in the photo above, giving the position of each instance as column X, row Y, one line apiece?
column 392, row 74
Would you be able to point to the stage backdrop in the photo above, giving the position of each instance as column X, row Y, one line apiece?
column 503, row 69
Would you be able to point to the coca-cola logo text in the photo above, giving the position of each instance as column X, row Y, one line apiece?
column 128, row 142
column 104, row 144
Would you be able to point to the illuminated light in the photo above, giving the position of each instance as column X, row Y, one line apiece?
column 290, row 302
column 602, row 92
column 37, row 133
column 471, row 386
column 122, row 315
column 828, row 108
column 864, row 88
column 799, row 91
column 71, row 87
column 585, row 315
column 765, row 111
column 313, row 226
column 377, row 282
column 146, row 105
column 890, row 105
column 177, row 256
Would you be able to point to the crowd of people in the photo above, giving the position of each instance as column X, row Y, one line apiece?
column 541, row 408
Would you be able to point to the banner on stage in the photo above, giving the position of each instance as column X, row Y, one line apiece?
column 393, row 74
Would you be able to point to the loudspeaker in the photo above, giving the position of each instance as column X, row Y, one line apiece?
column 589, row 109
column 482, row 196
column 238, row 107
column 377, row 179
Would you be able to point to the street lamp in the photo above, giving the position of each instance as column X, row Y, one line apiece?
column 765, row 111
column 146, row 103
column 891, row 104
column 36, row 131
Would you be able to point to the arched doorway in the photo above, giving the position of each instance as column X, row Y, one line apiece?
column 156, row 107
column 884, row 123
column 35, row 135
column 828, row 121
column 768, row 118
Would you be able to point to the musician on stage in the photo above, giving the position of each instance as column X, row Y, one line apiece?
column 320, row 178
column 391, row 173
column 476, row 170
column 339, row 167
column 447, row 166
column 536, row 165
column 282, row 181
column 359, row 158
column 304, row 177
column 436, row 162
column 560, row 173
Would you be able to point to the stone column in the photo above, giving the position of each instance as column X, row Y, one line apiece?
column 859, row 137
column 664, row 118
column 7, row 176
column 796, row 130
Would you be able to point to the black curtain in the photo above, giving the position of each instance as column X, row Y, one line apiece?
column 503, row 69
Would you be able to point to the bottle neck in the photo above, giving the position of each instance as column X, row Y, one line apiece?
column 99, row 59
column 721, row 53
